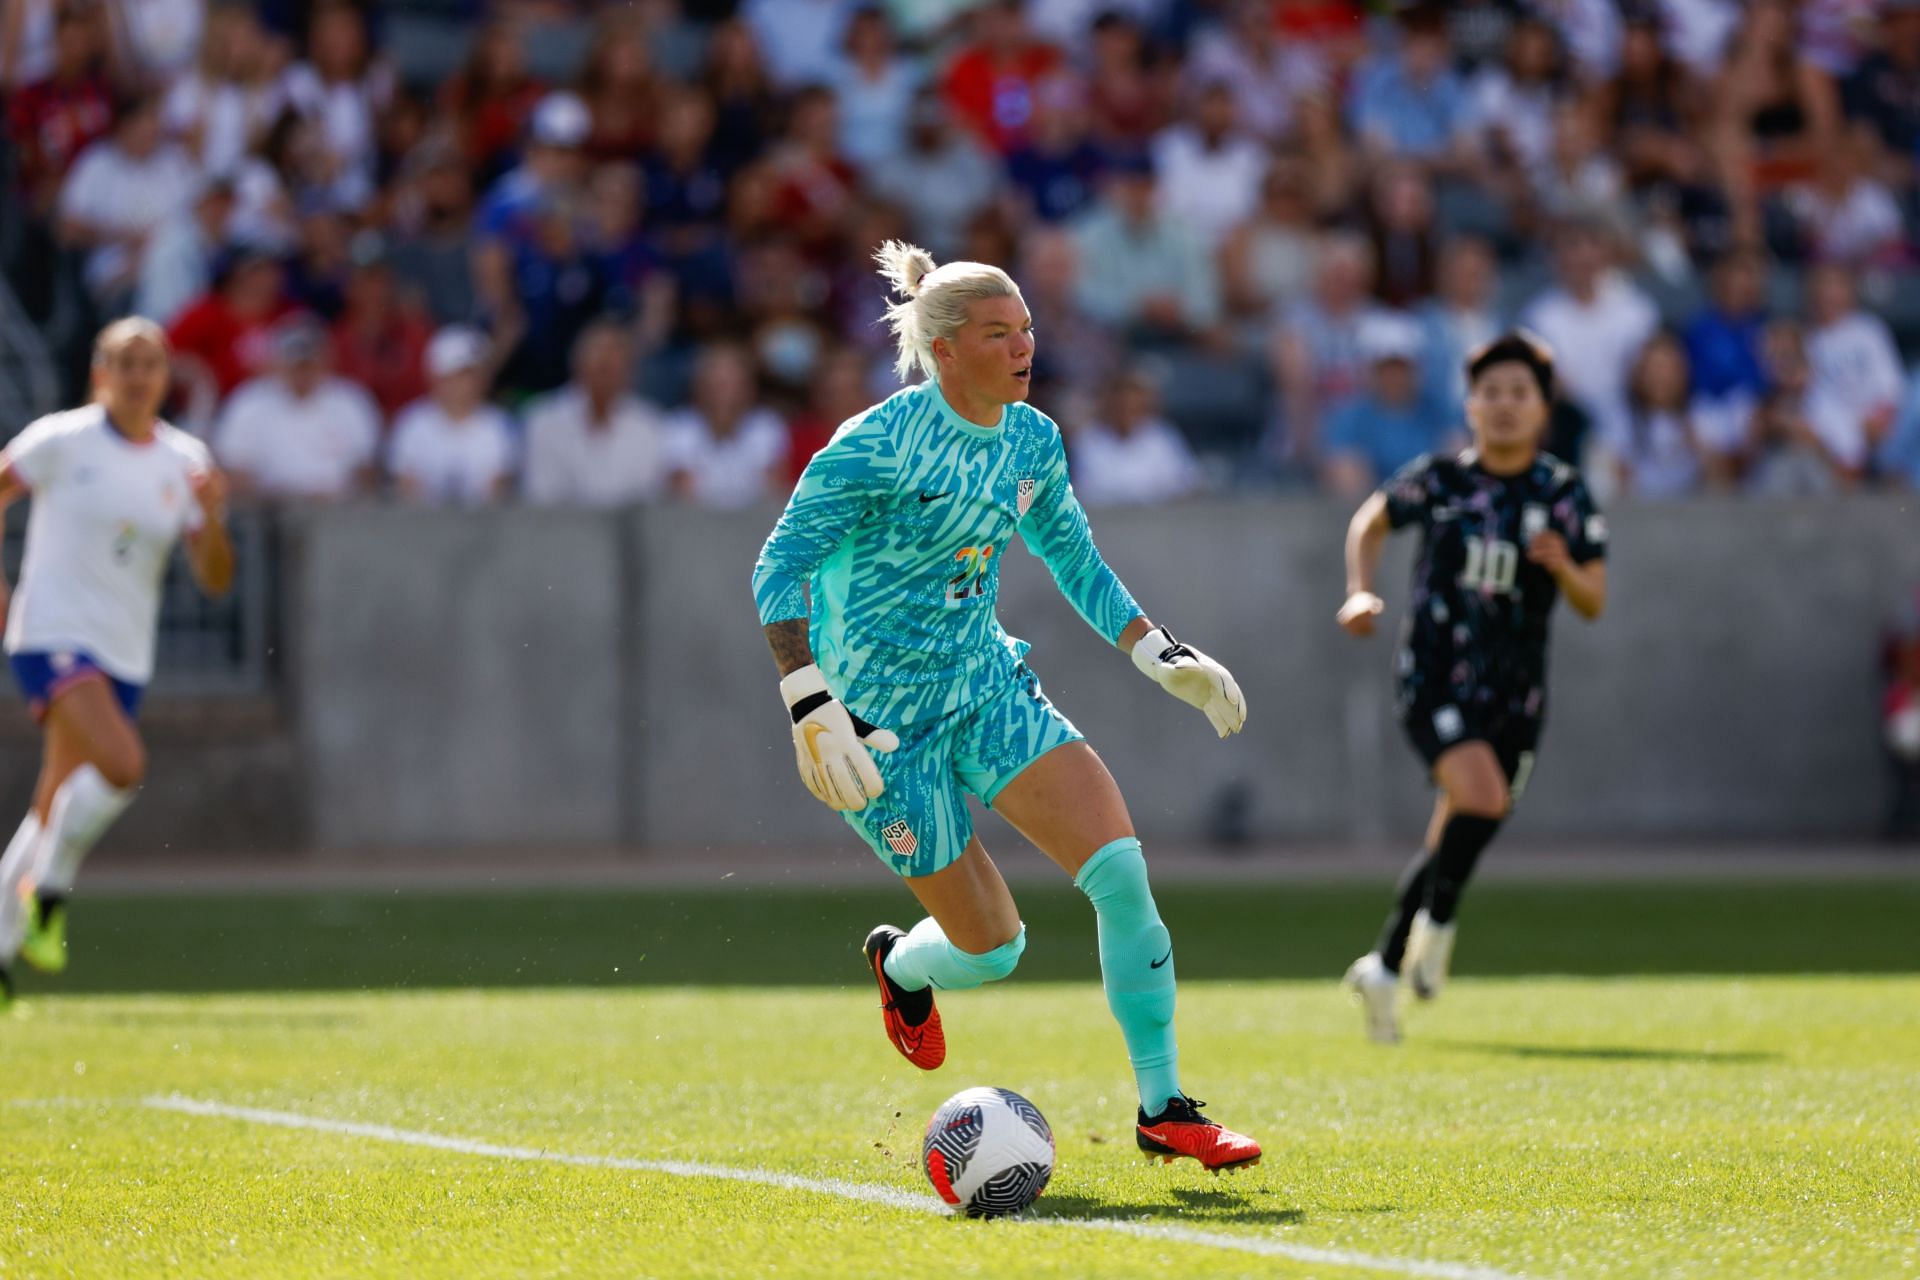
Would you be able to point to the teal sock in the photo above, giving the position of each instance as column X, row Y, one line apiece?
column 1136, row 964
column 924, row 958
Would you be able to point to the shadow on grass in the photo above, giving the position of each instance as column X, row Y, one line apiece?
column 1609, row 1053
column 1198, row 1206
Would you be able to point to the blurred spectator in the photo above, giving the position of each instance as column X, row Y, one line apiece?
column 746, row 110
column 162, row 36
column 1410, row 103
column 1371, row 435
column 1883, row 93
column 380, row 339
column 429, row 248
column 1804, row 443
column 452, row 448
column 488, row 101
column 815, row 183
column 629, row 264
column 342, row 86
column 1844, row 213
column 1268, row 258
column 1129, row 453
column 874, row 84
column 1058, row 168
column 1900, row 719
column 686, row 187
column 226, row 337
column 1333, row 167
column 117, row 193
column 780, row 302
column 619, row 89
column 991, row 81
column 299, row 432
column 1776, row 113
column 53, row 119
column 838, row 392
column 1651, row 107
column 1125, row 101
column 1316, row 349
column 222, row 109
column 1400, row 221
column 1580, row 180
column 1142, row 270
column 178, row 267
column 1591, row 32
column 1596, row 320
column 1899, row 457
column 1073, row 355
column 27, row 41
column 317, row 274
column 1508, row 108
column 1268, row 76
column 724, row 449
column 1855, row 362
column 942, row 179
column 1659, row 455
column 800, row 39
column 1723, row 340
column 1462, row 317
column 1208, row 171
column 594, row 443
column 507, row 226
column 557, row 291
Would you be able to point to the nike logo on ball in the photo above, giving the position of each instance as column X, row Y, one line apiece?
column 1162, row 960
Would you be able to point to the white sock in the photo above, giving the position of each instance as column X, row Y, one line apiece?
column 15, row 864
column 83, row 808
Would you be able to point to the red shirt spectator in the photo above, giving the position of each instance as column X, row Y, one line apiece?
column 491, row 98
column 228, row 334
column 990, row 85
column 379, row 341
column 52, row 121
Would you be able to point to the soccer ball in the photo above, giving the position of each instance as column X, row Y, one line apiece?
column 988, row 1152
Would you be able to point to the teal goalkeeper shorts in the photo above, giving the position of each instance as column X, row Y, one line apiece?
column 921, row 824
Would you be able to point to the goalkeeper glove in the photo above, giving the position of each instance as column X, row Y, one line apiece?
column 1192, row 677
column 831, row 743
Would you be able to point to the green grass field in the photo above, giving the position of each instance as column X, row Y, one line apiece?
column 1724, row 1082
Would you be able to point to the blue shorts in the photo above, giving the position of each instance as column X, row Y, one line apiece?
column 42, row 677
column 921, row 825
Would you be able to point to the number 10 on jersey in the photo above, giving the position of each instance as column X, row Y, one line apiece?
column 972, row 579
column 1491, row 566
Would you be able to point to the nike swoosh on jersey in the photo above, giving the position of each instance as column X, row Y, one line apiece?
column 935, row 497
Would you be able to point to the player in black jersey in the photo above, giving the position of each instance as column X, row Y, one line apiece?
column 1505, row 531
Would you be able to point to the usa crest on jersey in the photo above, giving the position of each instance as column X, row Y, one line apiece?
column 1024, row 495
column 900, row 838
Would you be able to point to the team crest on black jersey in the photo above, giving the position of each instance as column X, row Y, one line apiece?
column 1024, row 495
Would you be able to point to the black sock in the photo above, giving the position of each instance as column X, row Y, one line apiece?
column 1409, row 897
column 1461, row 841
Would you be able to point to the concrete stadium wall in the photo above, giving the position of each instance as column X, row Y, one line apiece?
column 530, row 678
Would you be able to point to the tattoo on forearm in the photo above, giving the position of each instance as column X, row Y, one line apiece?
column 788, row 640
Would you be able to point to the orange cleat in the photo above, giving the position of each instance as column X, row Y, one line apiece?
column 1181, row 1130
column 913, row 1024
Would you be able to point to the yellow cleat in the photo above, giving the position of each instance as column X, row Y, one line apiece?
column 45, row 944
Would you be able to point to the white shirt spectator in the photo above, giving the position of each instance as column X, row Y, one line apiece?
column 1697, row 31
column 1856, row 365
column 798, row 39
column 1265, row 92
column 1211, row 190
column 873, row 113
column 299, row 446
column 1658, row 452
column 162, row 35
column 735, row 472
column 177, row 268
column 109, row 189
column 347, row 110
column 1523, row 113
column 1860, row 223
column 1152, row 464
column 229, row 117
column 1595, row 345
column 1591, row 30
column 448, row 462
column 575, row 461
column 81, row 588
column 34, row 57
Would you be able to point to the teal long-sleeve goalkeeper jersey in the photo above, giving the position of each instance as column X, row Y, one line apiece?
column 898, row 527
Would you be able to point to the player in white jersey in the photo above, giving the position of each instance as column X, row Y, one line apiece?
column 113, row 488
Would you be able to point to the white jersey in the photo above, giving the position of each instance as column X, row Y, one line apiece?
column 106, row 513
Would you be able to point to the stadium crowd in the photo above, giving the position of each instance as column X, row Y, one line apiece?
column 583, row 254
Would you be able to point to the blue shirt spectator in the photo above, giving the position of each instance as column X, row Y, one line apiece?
column 1141, row 270
column 1411, row 103
column 1899, row 456
column 1390, row 423
column 1723, row 341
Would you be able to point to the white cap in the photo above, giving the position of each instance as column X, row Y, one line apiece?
column 455, row 348
column 1389, row 335
column 561, row 120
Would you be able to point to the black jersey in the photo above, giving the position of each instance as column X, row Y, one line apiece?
column 1476, row 631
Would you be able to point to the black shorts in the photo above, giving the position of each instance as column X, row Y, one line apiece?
column 1435, row 725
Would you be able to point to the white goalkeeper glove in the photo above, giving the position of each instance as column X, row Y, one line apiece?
column 831, row 744
column 1192, row 677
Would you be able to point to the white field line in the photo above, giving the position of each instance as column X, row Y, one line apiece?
column 869, row 1193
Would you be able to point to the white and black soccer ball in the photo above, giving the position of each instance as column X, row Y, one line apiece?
column 988, row 1152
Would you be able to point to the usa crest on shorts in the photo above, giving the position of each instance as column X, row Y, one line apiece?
column 1024, row 495
column 899, row 837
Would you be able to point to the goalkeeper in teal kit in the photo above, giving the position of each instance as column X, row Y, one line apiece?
column 877, row 591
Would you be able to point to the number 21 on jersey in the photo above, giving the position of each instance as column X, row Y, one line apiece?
column 972, row 579
column 1491, row 565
